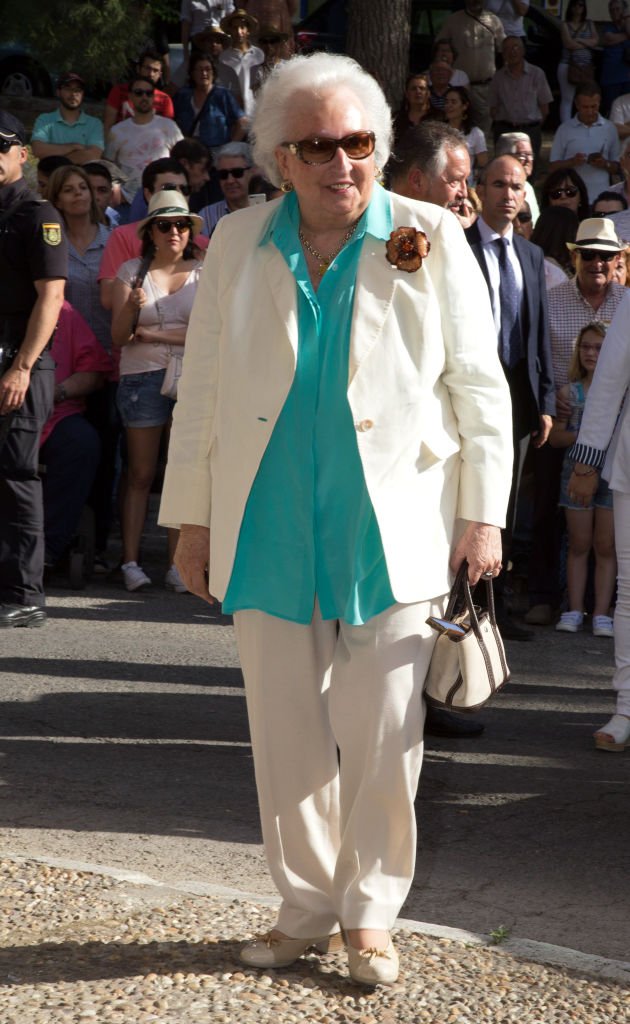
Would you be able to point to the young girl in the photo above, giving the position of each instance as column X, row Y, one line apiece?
column 592, row 526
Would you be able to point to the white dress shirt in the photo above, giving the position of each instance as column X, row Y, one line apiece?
column 489, row 238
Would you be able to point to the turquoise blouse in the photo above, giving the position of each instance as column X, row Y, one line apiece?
column 309, row 529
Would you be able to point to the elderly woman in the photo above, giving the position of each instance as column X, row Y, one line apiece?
column 341, row 436
column 606, row 416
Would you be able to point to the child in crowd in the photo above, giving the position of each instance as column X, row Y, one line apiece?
column 590, row 527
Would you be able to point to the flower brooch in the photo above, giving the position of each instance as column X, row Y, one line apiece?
column 407, row 248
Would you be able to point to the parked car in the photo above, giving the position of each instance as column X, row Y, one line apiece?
column 21, row 74
column 325, row 29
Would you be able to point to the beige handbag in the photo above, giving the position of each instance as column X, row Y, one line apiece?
column 468, row 664
column 172, row 374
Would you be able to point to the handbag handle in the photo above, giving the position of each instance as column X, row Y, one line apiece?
column 461, row 589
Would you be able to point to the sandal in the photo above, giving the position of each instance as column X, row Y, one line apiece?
column 615, row 735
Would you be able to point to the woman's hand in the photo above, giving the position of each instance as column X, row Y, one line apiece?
column 191, row 559
column 583, row 484
column 480, row 545
column 137, row 298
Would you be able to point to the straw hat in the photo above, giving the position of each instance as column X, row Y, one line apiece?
column 240, row 14
column 169, row 204
column 597, row 233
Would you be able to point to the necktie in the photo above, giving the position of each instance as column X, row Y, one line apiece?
column 509, row 299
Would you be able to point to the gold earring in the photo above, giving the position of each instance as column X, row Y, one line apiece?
column 286, row 186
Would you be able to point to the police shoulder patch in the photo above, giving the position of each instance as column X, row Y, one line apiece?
column 52, row 234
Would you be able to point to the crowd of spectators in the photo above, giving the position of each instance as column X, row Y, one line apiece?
column 467, row 133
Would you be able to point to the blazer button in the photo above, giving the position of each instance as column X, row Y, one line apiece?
column 365, row 425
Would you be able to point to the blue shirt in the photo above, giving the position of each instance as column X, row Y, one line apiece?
column 214, row 127
column 309, row 528
column 53, row 128
column 576, row 137
column 82, row 289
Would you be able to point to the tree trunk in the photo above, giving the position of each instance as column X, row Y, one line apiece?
column 378, row 38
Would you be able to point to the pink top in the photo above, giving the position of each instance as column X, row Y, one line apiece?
column 75, row 349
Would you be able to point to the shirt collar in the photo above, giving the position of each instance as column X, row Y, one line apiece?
column 489, row 235
column 70, row 124
column 600, row 120
column 376, row 221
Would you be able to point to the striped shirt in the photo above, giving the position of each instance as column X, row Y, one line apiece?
column 569, row 312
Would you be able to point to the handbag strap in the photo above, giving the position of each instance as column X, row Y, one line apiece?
column 138, row 280
column 461, row 593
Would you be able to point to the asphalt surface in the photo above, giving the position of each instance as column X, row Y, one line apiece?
column 124, row 742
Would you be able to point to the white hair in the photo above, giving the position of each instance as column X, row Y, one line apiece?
column 315, row 75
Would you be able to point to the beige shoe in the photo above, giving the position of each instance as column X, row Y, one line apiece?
column 269, row 951
column 373, row 966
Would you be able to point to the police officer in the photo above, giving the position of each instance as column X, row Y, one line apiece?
column 33, row 268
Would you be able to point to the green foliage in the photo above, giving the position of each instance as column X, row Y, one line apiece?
column 96, row 38
column 499, row 935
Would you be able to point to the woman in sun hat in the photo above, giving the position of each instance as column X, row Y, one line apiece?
column 152, row 301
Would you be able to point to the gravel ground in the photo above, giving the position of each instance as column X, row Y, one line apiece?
column 79, row 947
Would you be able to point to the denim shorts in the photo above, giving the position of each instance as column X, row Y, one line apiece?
column 601, row 499
column 139, row 401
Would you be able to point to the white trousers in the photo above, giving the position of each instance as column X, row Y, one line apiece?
column 339, row 830
column 621, row 681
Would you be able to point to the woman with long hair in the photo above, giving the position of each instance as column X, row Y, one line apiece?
column 579, row 38
column 458, row 115
column 555, row 227
column 564, row 187
column 152, row 300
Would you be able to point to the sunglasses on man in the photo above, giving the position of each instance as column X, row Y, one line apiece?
column 5, row 144
column 588, row 255
column 232, row 172
column 142, row 92
column 317, row 150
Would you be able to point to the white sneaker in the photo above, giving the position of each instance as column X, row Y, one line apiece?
column 570, row 622
column 135, row 578
column 173, row 581
column 602, row 625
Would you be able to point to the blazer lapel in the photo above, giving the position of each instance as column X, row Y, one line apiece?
column 373, row 296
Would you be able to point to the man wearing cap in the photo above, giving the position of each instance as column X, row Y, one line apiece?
column 275, row 46
column 241, row 56
column 68, row 131
column 197, row 15
column 592, row 294
column 33, row 270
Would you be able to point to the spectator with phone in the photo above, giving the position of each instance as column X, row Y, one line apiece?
column 588, row 143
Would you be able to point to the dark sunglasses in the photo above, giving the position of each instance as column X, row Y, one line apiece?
column 5, row 144
column 588, row 255
column 523, row 218
column 558, row 193
column 143, row 92
column 165, row 226
column 172, row 187
column 233, row 172
column 357, row 146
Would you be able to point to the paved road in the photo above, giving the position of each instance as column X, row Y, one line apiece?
column 124, row 742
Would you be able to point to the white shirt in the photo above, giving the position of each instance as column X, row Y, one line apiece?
column 489, row 238
column 511, row 21
column 132, row 146
column 242, row 62
column 620, row 110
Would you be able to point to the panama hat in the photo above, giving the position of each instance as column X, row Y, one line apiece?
column 169, row 204
column 597, row 233
column 239, row 15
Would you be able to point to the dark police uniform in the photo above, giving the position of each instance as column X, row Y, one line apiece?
column 32, row 248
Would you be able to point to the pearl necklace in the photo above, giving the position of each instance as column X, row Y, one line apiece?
column 325, row 261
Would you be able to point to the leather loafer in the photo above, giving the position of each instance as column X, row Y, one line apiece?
column 268, row 951
column 21, row 615
column 373, row 966
column 444, row 723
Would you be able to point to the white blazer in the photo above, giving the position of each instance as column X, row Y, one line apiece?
column 602, row 419
column 428, row 396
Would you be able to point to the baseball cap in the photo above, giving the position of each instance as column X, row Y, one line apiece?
column 67, row 77
column 11, row 128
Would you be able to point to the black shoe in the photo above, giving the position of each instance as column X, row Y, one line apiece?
column 21, row 615
column 445, row 723
column 510, row 631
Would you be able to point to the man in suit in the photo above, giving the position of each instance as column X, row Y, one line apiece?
column 513, row 269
